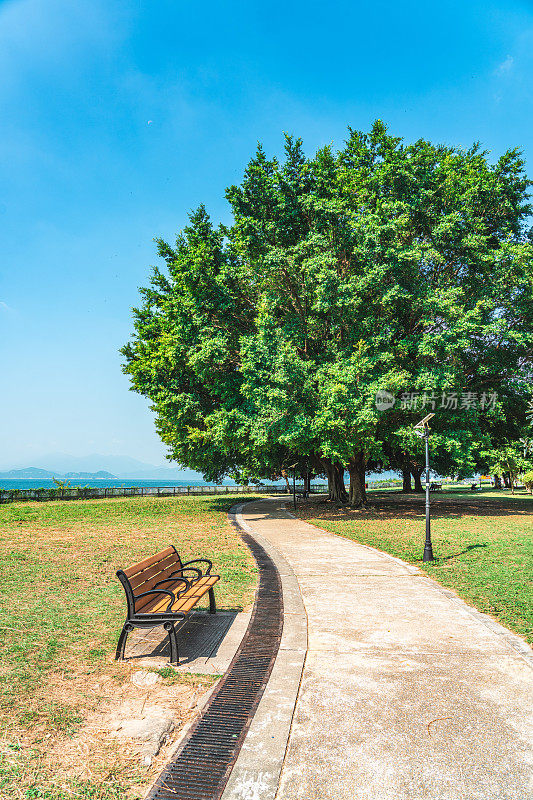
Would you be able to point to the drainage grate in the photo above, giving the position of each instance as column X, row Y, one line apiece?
column 201, row 768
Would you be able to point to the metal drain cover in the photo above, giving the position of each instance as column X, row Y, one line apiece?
column 202, row 766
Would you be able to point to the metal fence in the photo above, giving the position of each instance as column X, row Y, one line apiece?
column 98, row 492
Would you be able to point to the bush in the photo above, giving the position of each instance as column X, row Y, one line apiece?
column 528, row 481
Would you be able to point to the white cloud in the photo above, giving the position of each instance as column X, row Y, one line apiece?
column 505, row 67
column 5, row 307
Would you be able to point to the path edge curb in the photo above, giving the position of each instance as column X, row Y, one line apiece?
column 257, row 770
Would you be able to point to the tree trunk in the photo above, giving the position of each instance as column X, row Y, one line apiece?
column 406, row 476
column 307, row 482
column 356, row 468
column 337, row 491
column 417, row 473
column 506, row 481
column 497, row 482
column 285, row 475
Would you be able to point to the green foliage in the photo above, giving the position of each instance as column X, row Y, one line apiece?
column 61, row 486
column 527, row 479
column 384, row 266
column 509, row 458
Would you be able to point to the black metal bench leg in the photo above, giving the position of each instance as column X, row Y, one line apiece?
column 212, row 604
column 121, row 646
column 173, row 640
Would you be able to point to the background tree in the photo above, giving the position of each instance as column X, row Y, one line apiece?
column 384, row 266
column 509, row 461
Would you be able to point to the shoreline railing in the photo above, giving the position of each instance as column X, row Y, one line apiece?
column 103, row 492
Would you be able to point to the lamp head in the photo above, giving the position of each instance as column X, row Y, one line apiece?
column 423, row 422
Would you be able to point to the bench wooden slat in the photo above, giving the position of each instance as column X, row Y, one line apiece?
column 141, row 604
column 184, row 603
column 168, row 564
column 147, row 562
column 161, row 576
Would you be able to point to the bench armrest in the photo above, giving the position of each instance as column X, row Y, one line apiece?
column 158, row 591
column 180, row 572
column 199, row 561
column 192, row 569
column 172, row 579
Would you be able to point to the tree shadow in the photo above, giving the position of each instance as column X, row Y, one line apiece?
column 391, row 505
column 223, row 502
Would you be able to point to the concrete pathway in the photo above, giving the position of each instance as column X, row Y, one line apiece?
column 386, row 687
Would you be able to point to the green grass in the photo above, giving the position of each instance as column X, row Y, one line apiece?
column 483, row 543
column 62, row 607
column 171, row 676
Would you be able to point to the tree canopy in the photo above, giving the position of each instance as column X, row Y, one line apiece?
column 383, row 267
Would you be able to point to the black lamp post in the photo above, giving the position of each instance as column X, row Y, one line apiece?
column 422, row 429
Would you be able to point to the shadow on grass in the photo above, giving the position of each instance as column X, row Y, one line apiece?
column 462, row 553
column 392, row 505
column 225, row 502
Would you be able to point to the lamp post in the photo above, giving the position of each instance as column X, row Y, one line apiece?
column 422, row 429
column 293, row 467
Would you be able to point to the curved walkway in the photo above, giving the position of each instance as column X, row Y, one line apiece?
column 386, row 686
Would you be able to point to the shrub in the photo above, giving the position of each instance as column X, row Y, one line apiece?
column 528, row 481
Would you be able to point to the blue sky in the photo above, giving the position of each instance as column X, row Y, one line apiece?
column 120, row 117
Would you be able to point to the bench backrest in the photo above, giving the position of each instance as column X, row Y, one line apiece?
column 143, row 576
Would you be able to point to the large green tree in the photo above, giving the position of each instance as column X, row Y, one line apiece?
column 383, row 266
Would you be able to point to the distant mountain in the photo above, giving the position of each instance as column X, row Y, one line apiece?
column 35, row 474
column 169, row 473
column 101, row 475
column 120, row 466
column 28, row 474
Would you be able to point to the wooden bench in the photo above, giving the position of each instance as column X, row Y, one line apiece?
column 160, row 590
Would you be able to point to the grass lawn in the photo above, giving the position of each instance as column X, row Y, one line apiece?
column 483, row 544
column 61, row 610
